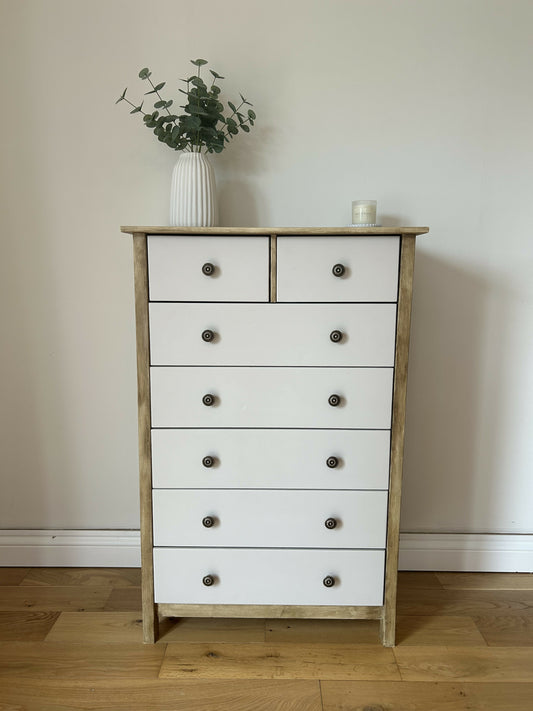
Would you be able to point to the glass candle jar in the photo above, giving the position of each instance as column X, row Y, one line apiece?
column 364, row 212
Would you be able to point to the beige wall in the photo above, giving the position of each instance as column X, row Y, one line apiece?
column 424, row 105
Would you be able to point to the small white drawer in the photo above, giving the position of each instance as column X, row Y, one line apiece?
column 271, row 397
column 213, row 268
column 269, row 518
column 272, row 334
column 369, row 267
column 268, row 577
column 270, row 459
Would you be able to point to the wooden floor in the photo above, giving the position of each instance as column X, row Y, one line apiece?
column 70, row 638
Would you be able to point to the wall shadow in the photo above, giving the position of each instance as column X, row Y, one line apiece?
column 455, row 405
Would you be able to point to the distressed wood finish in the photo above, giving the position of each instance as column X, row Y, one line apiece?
column 276, row 231
column 273, row 269
column 405, row 291
column 324, row 612
column 140, row 266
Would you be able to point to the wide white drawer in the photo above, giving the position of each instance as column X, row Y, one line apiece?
column 271, row 397
column 272, row 334
column 268, row 577
column 305, row 268
column 176, row 268
column 270, row 459
column 268, row 518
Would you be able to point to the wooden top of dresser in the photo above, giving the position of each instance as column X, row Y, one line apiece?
column 281, row 231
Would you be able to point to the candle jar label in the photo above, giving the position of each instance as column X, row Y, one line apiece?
column 364, row 212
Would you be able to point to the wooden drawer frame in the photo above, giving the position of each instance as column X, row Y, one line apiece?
column 386, row 613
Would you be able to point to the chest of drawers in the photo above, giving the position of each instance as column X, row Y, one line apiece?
column 272, row 370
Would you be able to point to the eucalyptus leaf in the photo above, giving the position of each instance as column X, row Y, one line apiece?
column 122, row 96
column 144, row 73
column 198, row 82
column 198, row 62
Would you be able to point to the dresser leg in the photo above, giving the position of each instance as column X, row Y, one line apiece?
column 388, row 630
column 150, row 624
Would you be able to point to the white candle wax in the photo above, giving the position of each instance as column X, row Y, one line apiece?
column 364, row 212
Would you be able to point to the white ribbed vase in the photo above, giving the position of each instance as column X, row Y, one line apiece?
column 192, row 193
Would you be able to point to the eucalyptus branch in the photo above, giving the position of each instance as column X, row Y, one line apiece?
column 203, row 125
column 159, row 97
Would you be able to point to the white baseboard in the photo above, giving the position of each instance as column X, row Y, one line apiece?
column 70, row 549
column 418, row 551
column 468, row 552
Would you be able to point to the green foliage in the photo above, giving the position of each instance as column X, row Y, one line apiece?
column 204, row 124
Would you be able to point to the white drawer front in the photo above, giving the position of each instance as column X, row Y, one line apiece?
column 271, row 397
column 269, row 518
column 242, row 271
column 305, row 268
column 272, row 334
column 270, row 459
column 268, row 577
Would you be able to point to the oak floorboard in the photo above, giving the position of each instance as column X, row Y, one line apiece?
column 92, row 577
column 160, row 695
column 68, row 598
column 12, row 576
column 281, row 661
column 465, row 602
column 57, row 660
column 506, row 630
column 97, row 627
column 447, row 630
column 474, row 664
column 418, row 579
column 124, row 600
column 486, row 581
column 26, row 626
column 214, row 629
column 425, row 696
column 323, row 631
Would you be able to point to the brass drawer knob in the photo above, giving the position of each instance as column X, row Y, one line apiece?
column 208, row 269
column 208, row 400
column 208, row 580
column 208, row 335
column 330, row 523
column 338, row 270
column 336, row 336
column 208, row 462
column 329, row 581
column 332, row 462
column 208, row 522
column 334, row 400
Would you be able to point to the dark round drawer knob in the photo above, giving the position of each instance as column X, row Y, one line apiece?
column 330, row 523
column 338, row 270
column 208, row 269
column 329, row 581
column 332, row 462
column 334, row 400
column 209, row 580
column 208, row 335
column 208, row 522
column 208, row 462
column 336, row 336
column 208, row 400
